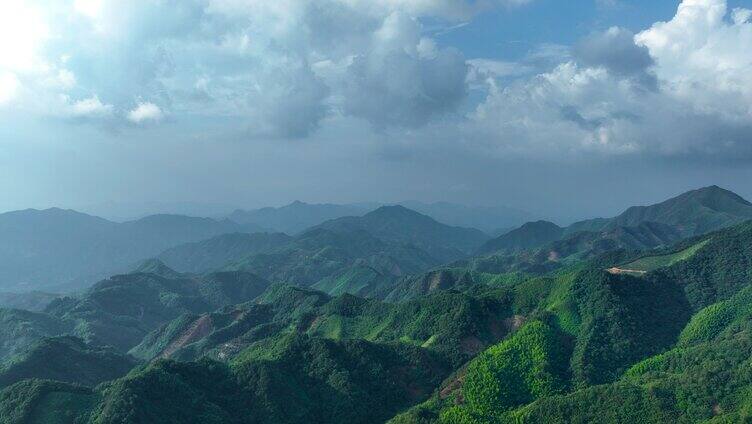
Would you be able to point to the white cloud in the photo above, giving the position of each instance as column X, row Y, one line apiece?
column 289, row 68
column 89, row 8
column 704, row 58
column 91, row 107
column 700, row 64
column 66, row 78
column 22, row 30
column 8, row 87
column 145, row 112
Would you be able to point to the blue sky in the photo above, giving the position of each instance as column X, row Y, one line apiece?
column 509, row 35
column 567, row 109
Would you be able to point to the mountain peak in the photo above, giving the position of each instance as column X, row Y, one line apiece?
column 396, row 210
column 715, row 192
column 529, row 236
column 156, row 267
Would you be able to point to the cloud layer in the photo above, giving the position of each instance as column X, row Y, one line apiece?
column 679, row 88
column 314, row 89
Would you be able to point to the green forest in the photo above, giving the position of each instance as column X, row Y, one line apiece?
column 360, row 321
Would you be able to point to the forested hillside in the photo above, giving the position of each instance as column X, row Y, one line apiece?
column 338, row 325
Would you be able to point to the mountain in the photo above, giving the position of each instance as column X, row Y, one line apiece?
column 322, row 254
column 640, row 227
column 453, row 325
column 296, row 216
column 526, row 237
column 692, row 213
column 65, row 249
column 308, row 380
column 487, row 219
column 401, row 225
column 213, row 253
column 66, row 359
column 121, row 310
column 572, row 248
column 30, row 301
column 20, row 329
column 649, row 336
column 618, row 323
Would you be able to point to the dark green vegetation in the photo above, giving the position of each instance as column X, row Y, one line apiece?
column 322, row 254
column 453, row 325
column 121, row 310
column 692, row 213
column 542, row 246
column 348, row 323
column 66, row 359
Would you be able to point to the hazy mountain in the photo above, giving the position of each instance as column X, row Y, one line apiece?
column 401, row 225
column 299, row 216
column 579, row 246
column 30, row 301
column 65, row 249
column 296, row 216
column 692, row 213
column 528, row 236
column 487, row 219
column 321, row 253
column 218, row 251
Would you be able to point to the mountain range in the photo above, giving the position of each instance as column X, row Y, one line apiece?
column 394, row 317
column 57, row 249
column 541, row 243
column 299, row 216
column 561, row 347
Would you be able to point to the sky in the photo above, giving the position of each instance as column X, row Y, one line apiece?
column 566, row 109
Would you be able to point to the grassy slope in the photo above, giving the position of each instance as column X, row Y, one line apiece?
column 652, row 263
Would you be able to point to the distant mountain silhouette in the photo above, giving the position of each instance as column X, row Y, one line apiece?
column 402, row 225
column 528, row 236
column 692, row 213
column 296, row 216
column 63, row 249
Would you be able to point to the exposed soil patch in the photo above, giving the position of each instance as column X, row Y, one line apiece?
column 454, row 385
column 624, row 271
column 513, row 323
column 198, row 330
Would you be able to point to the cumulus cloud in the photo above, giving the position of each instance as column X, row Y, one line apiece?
column 8, row 87
column 287, row 102
column 288, row 68
column 616, row 50
column 698, row 68
column 705, row 58
column 145, row 112
column 402, row 79
column 281, row 67
column 91, row 107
